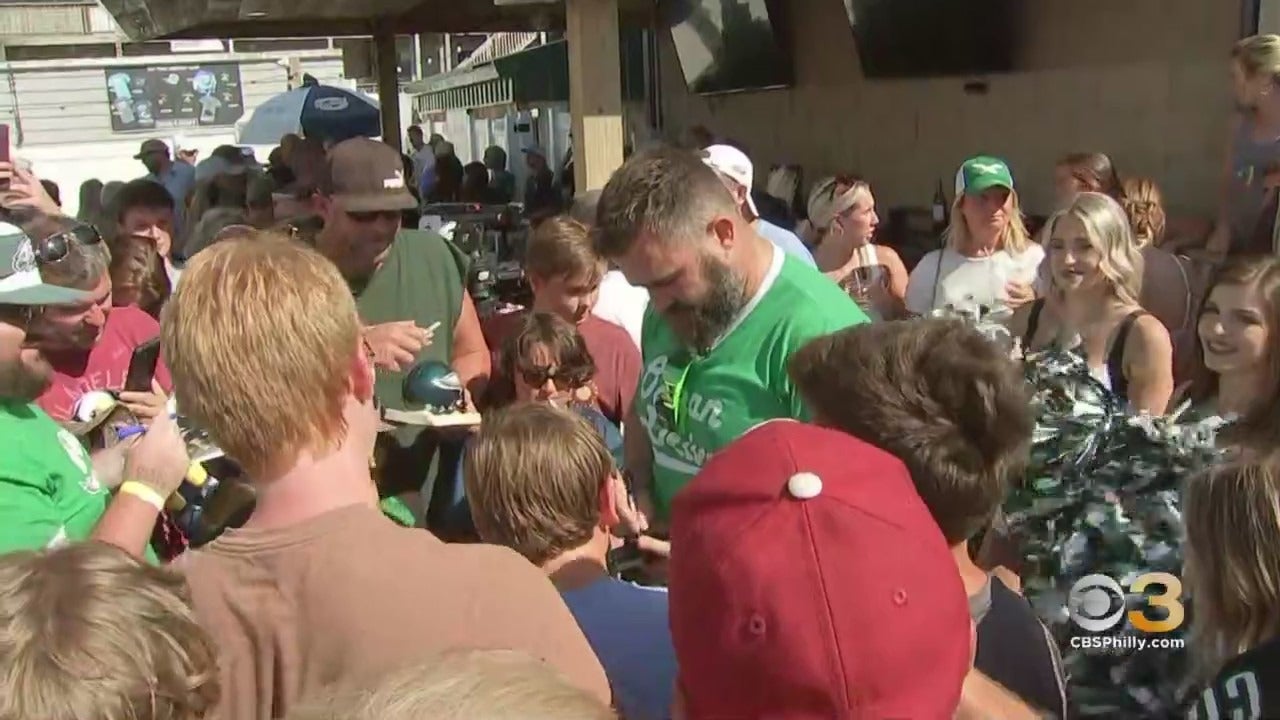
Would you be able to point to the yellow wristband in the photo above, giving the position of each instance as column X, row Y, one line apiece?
column 143, row 493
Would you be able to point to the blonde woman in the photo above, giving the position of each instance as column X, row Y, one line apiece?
column 1095, row 281
column 1251, row 174
column 988, row 261
column 1232, row 572
column 842, row 223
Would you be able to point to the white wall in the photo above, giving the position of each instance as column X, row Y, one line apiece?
column 1143, row 80
column 63, row 112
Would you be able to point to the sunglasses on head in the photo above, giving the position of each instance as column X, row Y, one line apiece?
column 841, row 183
column 373, row 215
column 17, row 315
column 55, row 248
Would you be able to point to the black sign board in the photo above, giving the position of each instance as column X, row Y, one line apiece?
column 172, row 97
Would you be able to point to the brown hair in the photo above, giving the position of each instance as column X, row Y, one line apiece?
column 89, row 633
column 463, row 685
column 1144, row 204
column 138, row 276
column 938, row 395
column 561, row 248
column 293, row 322
column 533, row 476
column 1260, row 427
column 143, row 193
column 561, row 339
column 1231, row 568
column 664, row 192
column 1096, row 172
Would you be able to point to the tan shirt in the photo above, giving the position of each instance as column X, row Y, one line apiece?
column 348, row 596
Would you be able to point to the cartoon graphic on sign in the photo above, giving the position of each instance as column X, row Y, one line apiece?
column 144, row 98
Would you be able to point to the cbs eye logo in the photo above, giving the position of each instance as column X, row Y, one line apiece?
column 1097, row 603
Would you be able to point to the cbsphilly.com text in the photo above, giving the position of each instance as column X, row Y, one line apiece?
column 1122, row 643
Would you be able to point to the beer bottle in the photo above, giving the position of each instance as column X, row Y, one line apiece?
column 939, row 209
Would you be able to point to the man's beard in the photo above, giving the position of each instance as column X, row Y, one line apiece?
column 700, row 325
column 24, row 380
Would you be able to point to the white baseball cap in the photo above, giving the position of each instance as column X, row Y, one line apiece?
column 733, row 164
column 20, row 281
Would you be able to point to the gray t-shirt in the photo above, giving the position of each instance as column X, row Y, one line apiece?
column 1251, row 161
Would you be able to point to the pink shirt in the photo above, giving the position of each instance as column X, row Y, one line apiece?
column 105, row 367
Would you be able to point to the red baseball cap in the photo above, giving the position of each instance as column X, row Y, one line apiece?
column 810, row 581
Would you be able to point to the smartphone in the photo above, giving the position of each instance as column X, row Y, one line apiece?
column 626, row 559
column 4, row 151
column 142, row 367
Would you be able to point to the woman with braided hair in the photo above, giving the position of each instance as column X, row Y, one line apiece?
column 1144, row 204
column 842, row 223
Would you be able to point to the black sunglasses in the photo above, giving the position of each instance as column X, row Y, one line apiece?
column 367, row 217
column 842, row 182
column 55, row 248
column 562, row 377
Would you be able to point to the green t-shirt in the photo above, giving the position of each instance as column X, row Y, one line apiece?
column 742, row 381
column 49, row 495
column 422, row 280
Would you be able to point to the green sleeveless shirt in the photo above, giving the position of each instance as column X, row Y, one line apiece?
column 422, row 280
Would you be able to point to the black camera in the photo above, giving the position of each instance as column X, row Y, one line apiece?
column 494, row 238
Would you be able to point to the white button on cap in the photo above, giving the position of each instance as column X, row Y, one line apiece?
column 804, row 486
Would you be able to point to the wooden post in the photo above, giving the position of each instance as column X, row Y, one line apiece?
column 387, row 61
column 595, row 90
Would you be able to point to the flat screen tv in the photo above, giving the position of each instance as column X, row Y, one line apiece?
column 933, row 38
column 729, row 45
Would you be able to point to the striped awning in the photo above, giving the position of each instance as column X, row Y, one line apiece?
column 500, row 91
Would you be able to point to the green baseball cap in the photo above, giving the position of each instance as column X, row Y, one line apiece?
column 982, row 172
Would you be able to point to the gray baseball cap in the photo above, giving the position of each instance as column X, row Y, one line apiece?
column 20, row 281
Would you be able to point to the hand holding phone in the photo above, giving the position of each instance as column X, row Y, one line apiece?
column 142, row 395
column 4, row 152
column 142, row 366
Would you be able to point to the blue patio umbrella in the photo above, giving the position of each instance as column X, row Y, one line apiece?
column 317, row 111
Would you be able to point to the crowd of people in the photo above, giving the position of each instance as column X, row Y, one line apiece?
column 733, row 462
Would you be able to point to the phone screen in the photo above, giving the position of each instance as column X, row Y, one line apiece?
column 142, row 367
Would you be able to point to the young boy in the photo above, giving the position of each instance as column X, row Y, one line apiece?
column 541, row 482
column 955, row 410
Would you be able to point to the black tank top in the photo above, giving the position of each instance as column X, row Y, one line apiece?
column 1033, row 322
column 1115, row 354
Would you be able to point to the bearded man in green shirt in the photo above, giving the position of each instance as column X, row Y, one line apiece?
column 727, row 310
column 51, row 491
